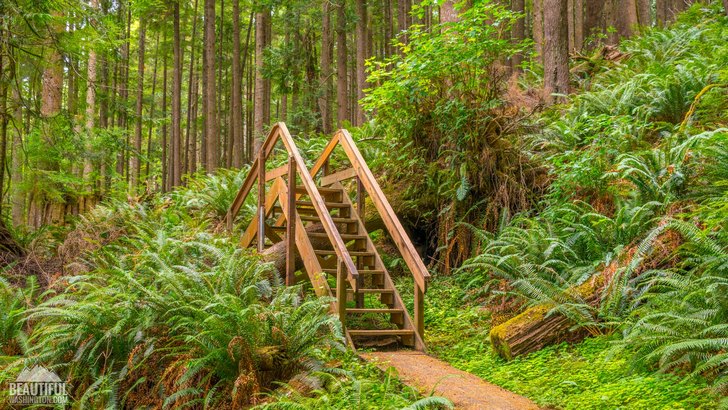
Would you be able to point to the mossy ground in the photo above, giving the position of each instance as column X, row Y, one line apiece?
column 587, row 375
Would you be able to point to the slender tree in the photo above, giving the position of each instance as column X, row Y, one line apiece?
column 136, row 157
column 190, row 163
column 236, row 106
column 325, row 69
column 209, row 100
column 176, row 136
column 341, row 63
column 361, row 56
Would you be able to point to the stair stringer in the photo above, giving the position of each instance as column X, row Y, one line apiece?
column 379, row 265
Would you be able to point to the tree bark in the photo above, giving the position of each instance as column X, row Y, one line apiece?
column 556, row 53
column 209, row 101
column 260, row 94
column 448, row 14
column 136, row 158
column 644, row 13
column 341, row 69
column 176, row 136
column 326, row 58
column 190, row 164
column 17, row 163
column 150, row 123
column 90, row 104
column 579, row 24
column 236, row 93
column 518, row 32
column 361, row 56
column 166, row 178
column 725, row 6
column 538, row 29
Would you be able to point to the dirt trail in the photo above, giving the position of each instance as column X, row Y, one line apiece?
column 465, row 390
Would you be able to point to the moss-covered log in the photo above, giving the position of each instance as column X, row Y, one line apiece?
column 534, row 328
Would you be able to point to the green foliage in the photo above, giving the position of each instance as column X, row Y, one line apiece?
column 636, row 208
column 588, row 375
column 440, row 106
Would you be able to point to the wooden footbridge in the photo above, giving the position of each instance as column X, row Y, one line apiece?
column 312, row 213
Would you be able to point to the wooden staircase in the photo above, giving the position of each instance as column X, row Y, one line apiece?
column 326, row 229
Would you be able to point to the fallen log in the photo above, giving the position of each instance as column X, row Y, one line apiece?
column 535, row 328
column 276, row 254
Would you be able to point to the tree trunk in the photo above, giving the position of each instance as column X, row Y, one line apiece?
column 326, row 57
column 341, row 70
column 152, row 109
column 361, row 56
column 556, row 53
column 518, row 32
column 448, row 14
column 624, row 18
column 579, row 24
column 644, row 13
column 136, row 158
column 236, row 106
column 90, row 105
column 388, row 27
column 260, row 44
column 592, row 21
column 4, row 117
column 538, row 29
column 725, row 6
column 403, row 20
column 190, row 164
column 166, row 179
column 209, row 99
column 176, row 136
column 17, row 175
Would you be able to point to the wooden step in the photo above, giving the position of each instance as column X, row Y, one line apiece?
column 352, row 253
column 345, row 236
column 328, row 204
column 372, row 310
column 363, row 272
column 381, row 332
column 315, row 218
column 323, row 191
column 367, row 290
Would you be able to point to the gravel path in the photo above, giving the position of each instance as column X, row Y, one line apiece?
column 465, row 390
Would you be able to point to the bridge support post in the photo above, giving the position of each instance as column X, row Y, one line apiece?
column 419, row 311
column 341, row 291
column 261, row 200
column 291, row 223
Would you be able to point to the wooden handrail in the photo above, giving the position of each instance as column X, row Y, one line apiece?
column 370, row 184
column 280, row 131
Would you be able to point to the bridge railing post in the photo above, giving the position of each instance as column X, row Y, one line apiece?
column 341, row 291
column 419, row 310
column 291, row 223
column 261, row 200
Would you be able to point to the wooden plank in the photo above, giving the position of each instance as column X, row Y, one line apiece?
column 250, row 233
column 419, row 303
column 275, row 173
column 341, row 292
column 322, row 160
column 320, row 206
column 291, row 223
column 391, row 222
column 242, row 194
column 380, row 332
column 261, row 201
column 305, row 249
column 338, row 176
